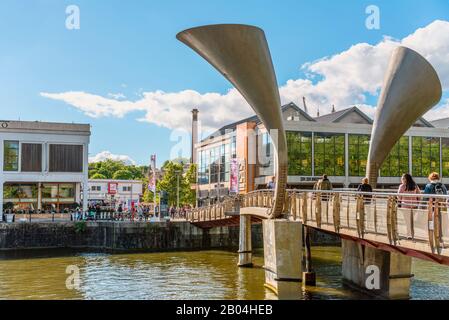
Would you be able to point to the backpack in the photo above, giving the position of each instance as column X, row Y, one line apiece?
column 439, row 189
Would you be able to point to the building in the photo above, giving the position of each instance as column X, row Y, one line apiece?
column 44, row 165
column 115, row 192
column 335, row 144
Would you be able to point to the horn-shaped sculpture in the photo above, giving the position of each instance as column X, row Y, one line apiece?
column 241, row 54
column 410, row 88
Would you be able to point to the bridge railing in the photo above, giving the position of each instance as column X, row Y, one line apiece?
column 216, row 211
column 397, row 217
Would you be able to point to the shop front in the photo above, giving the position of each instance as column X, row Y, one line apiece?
column 40, row 197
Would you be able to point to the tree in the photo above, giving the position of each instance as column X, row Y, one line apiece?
column 189, row 194
column 108, row 168
column 98, row 176
column 169, row 182
column 122, row 175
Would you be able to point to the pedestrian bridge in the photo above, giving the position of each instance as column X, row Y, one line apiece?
column 414, row 225
column 381, row 228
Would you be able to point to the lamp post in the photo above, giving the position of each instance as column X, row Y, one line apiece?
column 178, row 173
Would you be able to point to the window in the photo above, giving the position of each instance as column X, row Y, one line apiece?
column 396, row 163
column 126, row 189
column 358, row 153
column 330, row 154
column 11, row 156
column 31, row 157
column 66, row 158
column 425, row 155
column 299, row 153
column 445, row 156
column 95, row 188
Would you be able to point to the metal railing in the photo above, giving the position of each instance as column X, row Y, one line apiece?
column 419, row 218
column 217, row 211
column 388, row 217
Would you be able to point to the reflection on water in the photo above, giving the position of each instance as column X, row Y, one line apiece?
column 180, row 275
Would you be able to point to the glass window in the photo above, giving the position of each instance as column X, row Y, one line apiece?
column 358, row 145
column 49, row 191
column 233, row 147
column 396, row 163
column 329, row 154
column 445, row 156
column 299, row 153
column 11, row 156
column 425, row 155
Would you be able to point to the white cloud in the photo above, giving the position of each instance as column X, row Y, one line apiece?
column 108, row 155
column 440, row 112
column 344, row 79
column 117, row 96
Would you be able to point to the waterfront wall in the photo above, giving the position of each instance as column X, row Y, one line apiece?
column 120, row 236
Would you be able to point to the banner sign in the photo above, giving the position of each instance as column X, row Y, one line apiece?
column 234, row 179
column 112, row 187
column 152, row 182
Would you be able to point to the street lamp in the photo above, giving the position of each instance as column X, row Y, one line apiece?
column 178, row 173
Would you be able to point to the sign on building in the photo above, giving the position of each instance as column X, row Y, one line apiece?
column 112, row 188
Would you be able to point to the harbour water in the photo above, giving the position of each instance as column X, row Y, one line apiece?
column 179, row 275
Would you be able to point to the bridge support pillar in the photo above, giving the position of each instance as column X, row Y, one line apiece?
column 376, row 272
column 283, row 257
column 245, row 246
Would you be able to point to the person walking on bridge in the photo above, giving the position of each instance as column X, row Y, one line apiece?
column 408, row 186
column 365, row 187
column 324, row 184
column 272, row 184
column 435, row 186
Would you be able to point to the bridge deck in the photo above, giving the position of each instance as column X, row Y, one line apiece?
column 415, row 227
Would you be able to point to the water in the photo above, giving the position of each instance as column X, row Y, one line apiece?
column 180, row 275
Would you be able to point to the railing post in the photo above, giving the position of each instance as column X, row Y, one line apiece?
column 336, row 212
column 375, row 213
column 360, row 215
column 304, row 197
column 318, row 210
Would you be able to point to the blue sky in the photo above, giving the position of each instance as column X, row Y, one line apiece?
column 124, row 49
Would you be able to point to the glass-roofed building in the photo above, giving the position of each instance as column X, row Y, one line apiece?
column 335, row 144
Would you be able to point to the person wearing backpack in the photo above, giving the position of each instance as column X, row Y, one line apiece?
column 435, row 186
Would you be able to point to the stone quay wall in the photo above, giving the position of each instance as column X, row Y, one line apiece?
column 131, row 236
column 120, row 236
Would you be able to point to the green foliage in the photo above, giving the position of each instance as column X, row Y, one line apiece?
column 122, row 175
column 80, row 226
column 111, row 169
column 189, row 194
column 169, row 183
column 98, row 176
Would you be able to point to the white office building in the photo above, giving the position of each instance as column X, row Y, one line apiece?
column 115, row 192
column 44, row 166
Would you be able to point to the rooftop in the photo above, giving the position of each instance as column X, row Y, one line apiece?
column 38, row 126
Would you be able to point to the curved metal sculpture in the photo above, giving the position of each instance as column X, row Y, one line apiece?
column 411, row 87
column 241, row 54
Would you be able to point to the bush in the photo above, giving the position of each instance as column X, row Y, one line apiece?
column 80, row 226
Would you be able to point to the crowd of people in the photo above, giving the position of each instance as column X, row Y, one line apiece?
column 180, row 212
column 408, row 191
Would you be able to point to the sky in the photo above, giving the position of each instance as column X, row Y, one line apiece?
column 124, row 72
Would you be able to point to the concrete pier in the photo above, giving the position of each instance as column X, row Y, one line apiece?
column 245, row 246
column 283, row 257
column 376, row 272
